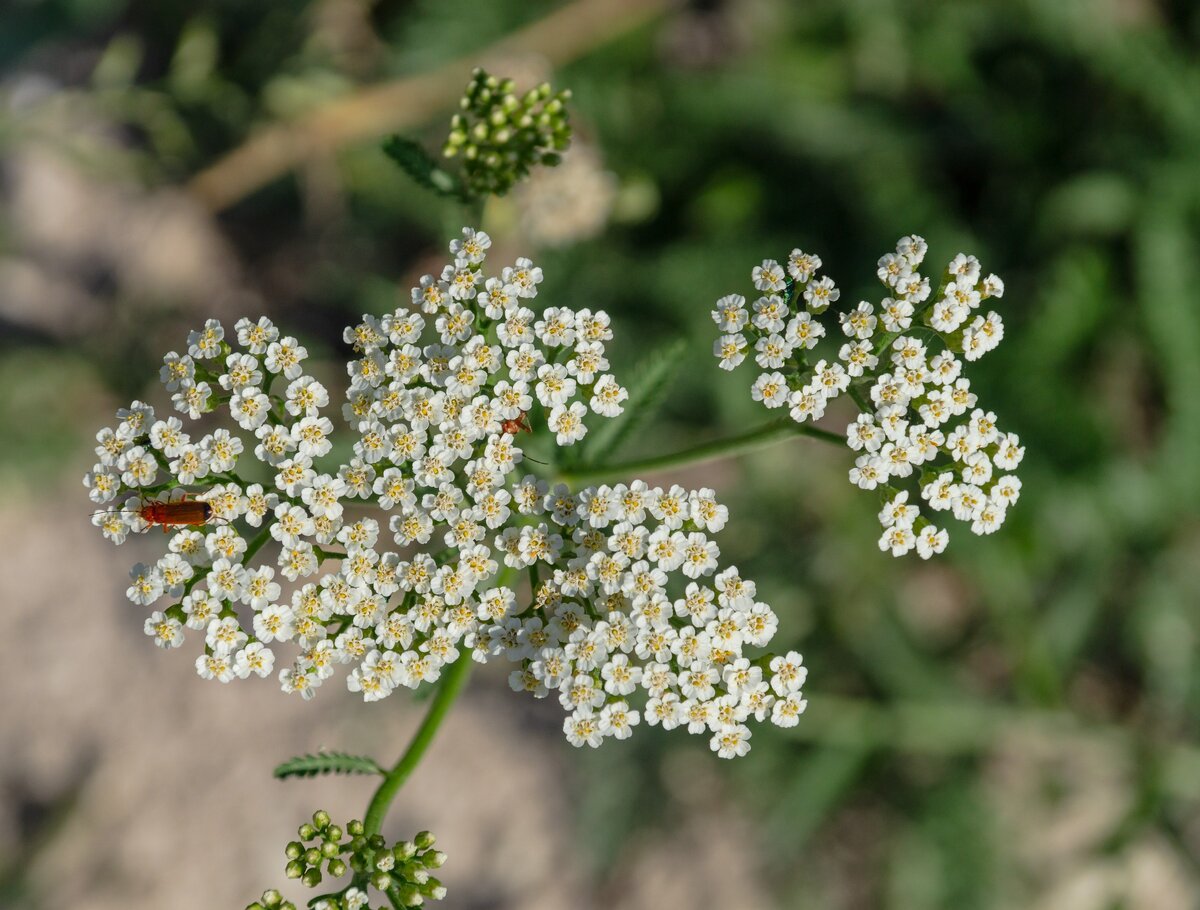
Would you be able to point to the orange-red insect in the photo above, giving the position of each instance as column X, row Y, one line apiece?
column 517, row 424
column 181, row 513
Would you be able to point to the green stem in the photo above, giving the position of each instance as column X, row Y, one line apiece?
column 256, row 544
column 452, row 683
column 768, row 434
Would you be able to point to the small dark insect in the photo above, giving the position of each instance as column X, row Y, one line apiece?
column 181, row 513
column 517, row 424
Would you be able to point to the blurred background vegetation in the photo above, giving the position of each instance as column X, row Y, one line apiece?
column 1013, row 725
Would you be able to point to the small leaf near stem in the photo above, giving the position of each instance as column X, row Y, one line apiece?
column 327, row 763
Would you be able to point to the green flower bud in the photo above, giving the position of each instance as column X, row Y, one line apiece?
column 382, row 881
column 409, row 896
column 312, row 856
column 424, row 840
column 404, row 851
column 330, row 848
column 334, row 833
column 307, row 832
column 272, row 898
column 294, row 869
column 294, row 850
column 355, row 828
column 500, row 136
column 434, row 859
column 311, row 878
column 321, row 819
column 336, row 867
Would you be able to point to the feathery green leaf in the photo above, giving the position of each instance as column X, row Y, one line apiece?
column 327, row 763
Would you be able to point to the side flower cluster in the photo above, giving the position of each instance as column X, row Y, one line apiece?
column 919, row 432
column 441, row 399
column 501, row 136
column 400, row 872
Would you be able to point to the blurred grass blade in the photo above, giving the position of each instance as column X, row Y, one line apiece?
column 646, row 393
column 327, row 763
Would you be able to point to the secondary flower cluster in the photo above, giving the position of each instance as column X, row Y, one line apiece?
column 441, row 397
column 919, row 430
column 501, row 136
column 398, row 871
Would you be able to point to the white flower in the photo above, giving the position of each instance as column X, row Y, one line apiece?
column 166, row 632
column 931, row 540
column 583, row 728
column 138, row 467
column 250, row 407
column 730, row 314
column 860, row 322
column 802, row 266
column 177, row 371
column 820, row 294
column 787, row 710
column 206, row 343
column 769, row 276
column 730, row 350
column 731, row 742
column 788, row 673
column 617, row 720
column 771, row 389
column 215, row 666
column 567, row 423
column 473, row 247
column 255, row 658
column 607, row 396
column 284, row 356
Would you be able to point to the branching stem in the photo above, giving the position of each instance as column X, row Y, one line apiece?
column 768, row 434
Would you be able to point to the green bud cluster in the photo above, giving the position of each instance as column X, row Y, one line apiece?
column 400, row 870
column 499, row 135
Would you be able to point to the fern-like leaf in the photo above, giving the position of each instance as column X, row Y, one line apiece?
column 647, row 390
column 422, row 168
column 327, row 763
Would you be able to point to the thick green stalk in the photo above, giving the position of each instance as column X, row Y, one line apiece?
column 451, row 684
column 768, row 434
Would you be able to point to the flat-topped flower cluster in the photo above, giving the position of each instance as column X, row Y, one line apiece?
column 627, row 600
column 919, row 430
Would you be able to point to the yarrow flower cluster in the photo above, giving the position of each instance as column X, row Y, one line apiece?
column 398, row 871
column 440, row 397
column 919, row 430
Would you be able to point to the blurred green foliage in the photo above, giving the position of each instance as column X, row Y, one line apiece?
column 1056, row 139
